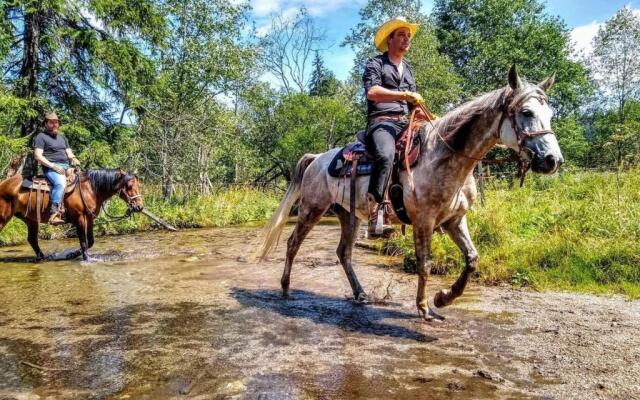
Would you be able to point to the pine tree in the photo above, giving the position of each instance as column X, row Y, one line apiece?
column 77, row 57
column 323, row 82
column 317, row 75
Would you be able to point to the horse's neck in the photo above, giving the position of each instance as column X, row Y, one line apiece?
column 471, row 143
column 100, row 198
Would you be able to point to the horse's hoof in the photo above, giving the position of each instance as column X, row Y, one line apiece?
column 362, row 298
column 429, row 315
column 439, row 299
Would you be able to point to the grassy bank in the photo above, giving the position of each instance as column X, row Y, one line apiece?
column 227, row 207
column 576, row 231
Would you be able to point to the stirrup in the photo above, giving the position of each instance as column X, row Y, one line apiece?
column 376, row 227
column 56, row 219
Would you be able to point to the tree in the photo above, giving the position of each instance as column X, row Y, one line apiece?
column 181, row 118
column 70, row 55
column 616, row 60
column 323, row 82
column 615, row 143
column 285, row 127
column 434, row 74
column 483, row 38
column 288, row 47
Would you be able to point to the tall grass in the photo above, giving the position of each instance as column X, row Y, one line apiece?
column 226, row 207
column 562, row 232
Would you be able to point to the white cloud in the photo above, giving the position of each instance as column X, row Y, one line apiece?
column 582, row 38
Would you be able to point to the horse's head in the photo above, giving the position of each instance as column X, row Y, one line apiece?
column 526, row 124
column 129, row 190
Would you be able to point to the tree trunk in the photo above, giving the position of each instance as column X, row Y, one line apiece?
column 28, row 88
column 167, row 186
column 203, row 174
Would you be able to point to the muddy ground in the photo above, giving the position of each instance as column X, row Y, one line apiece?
column 185, row 315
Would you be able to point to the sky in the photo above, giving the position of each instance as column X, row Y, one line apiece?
column 337, row 17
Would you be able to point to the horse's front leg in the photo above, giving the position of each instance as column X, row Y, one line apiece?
column 422, row 237
column 82, row 230
column 32, row 238
column 90, row 239
column 459, row 233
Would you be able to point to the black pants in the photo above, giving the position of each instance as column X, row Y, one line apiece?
column 381, row 144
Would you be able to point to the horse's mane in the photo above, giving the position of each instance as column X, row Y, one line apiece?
column 455, row 120
column 104, row 180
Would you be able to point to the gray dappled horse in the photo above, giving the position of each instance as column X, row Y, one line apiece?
column 517, row 116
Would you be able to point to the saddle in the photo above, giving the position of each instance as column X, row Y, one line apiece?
column 406, row 156
column 40, row 182
column 41, row 185
column 342, row 163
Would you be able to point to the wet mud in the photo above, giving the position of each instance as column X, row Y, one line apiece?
column 187, row 315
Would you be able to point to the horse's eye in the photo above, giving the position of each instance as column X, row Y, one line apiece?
column 527, row 113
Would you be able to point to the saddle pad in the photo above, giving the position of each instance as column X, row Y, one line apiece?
column 341, row 164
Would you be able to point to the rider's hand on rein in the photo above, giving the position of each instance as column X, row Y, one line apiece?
column 413, row 97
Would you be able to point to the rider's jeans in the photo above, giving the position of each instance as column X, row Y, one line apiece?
column 57, row 181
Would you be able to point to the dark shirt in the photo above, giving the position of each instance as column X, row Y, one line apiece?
column 53, row 146
column 380, row 71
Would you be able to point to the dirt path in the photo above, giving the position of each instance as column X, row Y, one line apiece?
column 186, row 316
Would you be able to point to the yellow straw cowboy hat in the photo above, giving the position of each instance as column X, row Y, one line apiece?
column 388, row 27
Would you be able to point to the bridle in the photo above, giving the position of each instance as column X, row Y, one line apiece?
column 129, row 199
column 509, row 112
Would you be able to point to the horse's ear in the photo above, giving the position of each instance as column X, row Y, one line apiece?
column 547, row 83
column 514, row 80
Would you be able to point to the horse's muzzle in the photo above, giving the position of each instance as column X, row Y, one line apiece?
column 547, row 164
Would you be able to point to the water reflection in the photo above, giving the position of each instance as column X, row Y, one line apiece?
column 167, row 315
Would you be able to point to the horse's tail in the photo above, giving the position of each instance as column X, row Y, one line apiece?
column 272, row 230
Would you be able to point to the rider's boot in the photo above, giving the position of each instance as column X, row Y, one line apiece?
column 55, row 212
column 377, row 227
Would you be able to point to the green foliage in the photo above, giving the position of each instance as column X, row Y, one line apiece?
column 616, row 59
column 82, row 52
column 615, row 143
column 484, row 38
column 184, row 126
column 566, row 232
column 291, row 126
column 323, row 82
column 573, row 142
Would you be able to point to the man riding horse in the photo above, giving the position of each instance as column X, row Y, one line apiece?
column 52, row 151
column 391, row 94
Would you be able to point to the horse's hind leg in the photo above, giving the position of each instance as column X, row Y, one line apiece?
column 344, row 251
column 308, row 217
column 459, row 232
column 5, row 213
column 33, row 239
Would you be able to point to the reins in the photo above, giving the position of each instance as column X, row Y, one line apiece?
column 127, row 214
column 507, row 112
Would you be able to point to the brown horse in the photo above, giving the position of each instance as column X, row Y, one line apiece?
column 83, row 204
column 517, row 116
